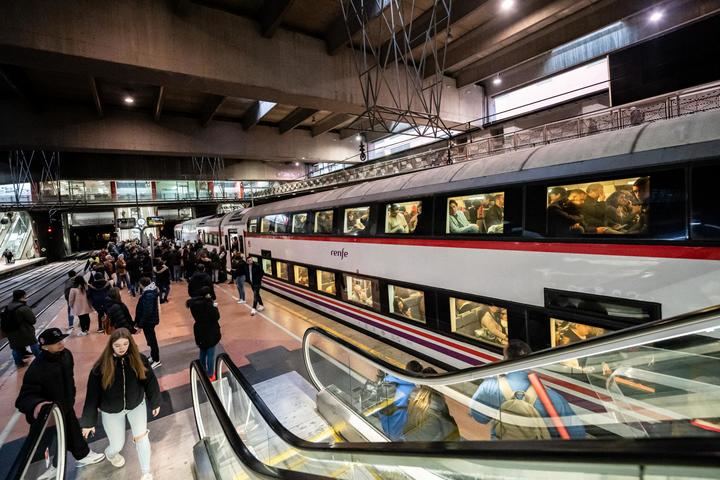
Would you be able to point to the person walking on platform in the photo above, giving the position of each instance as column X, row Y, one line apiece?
column 147, row 317
column 98, row 293
column 69, row 284
column 162, row 279
column 121, row 273
column 117, row 312
column 50, row 379
column 198, row 280
column 239, row 273
column 206, row 328
column 120, row 385
column 18, row 324
column 134, row 271
column 80, row 304
column 254, row 277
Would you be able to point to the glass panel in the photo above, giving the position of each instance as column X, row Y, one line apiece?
column 356, row 219
column 622, row 309
column 563, row 332
column 265, row 225
column 77, row 190
column 282, row 270
column 302, row 275
column 252, row 226
column 275, row 224
column 324, row 222
column 299, row 222
column 476, row 213
column 168, row 190
column 326, row 282
column 407, row 303
column 402, row 217
column 363, row 291
column 125, row 190
column 267, row 266
column 144, row 189
column 479, row 321
column 611, row 207
column 186, row 190
column 97, row 190
column 705, row 222
column 203, row 190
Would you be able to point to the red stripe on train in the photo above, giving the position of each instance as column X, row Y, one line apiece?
column 624, row 250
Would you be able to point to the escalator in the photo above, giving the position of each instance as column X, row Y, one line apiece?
column 657, row 383
column 42, row 455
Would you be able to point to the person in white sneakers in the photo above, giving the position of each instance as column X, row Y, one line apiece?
column 254, row 277
column 239, row 274
column 50, row 379
column 120, row 384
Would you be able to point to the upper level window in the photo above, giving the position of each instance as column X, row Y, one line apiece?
column 299, row 222
column 357, row 220
column 611, row 207
column 302, row 276
column 476, row 213
column 488, row 323
column 275, row 223
column 363, row 291
column 402, row 217
column 252, row 225
column 407, row 303
column 326, row 282
column 324, row 222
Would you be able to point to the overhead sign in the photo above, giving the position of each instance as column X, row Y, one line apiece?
column 155, row 221
column 141, row 222
column 126, row 223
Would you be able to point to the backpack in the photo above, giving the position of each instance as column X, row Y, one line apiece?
column 8, row 322
column 375, row 393
column 520, row 404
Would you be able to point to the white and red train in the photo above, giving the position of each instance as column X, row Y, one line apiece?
column 549, row 244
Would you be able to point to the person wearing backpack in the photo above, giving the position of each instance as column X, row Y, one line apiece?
column 514, row 396
column 206, row 328
column 117, row 312
column 428, row 416
column 98, row 294
column 18, row 323
column 394, row 417
column 147, row 317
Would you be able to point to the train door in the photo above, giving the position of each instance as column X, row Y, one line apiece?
column 231, row 238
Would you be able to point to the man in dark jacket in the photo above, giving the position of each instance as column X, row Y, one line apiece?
column 117, row 312
column 98, row 294
column 206, row 328
column 50, row 378
column 69, row 283
column 147, row 317
column 21, row 331
column 198, row 280
column 254, row 274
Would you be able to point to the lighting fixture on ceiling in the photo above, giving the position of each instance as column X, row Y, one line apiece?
column 656, row 16
column 129, row 100
column 497, row 80
column 507, row 4
column 358, row 138
column 297, row 164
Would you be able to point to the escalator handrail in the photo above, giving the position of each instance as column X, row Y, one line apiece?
column 675, row 451
column 37, row 428
column 239, row 448
column 659, row 330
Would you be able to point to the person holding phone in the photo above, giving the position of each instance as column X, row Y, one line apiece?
column 120, row 385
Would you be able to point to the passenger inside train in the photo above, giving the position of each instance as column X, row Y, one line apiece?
column 488, row 323
column 477, row 213
column 356, row 219
column 407, row 302
column 402, row 217
column 324, row 222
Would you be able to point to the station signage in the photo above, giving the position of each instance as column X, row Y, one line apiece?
column 126, row 223
column 155, row 221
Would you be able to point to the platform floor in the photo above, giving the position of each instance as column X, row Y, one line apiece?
column 6, row 268
column 266, row 346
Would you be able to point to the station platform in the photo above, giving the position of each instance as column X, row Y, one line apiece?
column 266, row 346
column 9, row 268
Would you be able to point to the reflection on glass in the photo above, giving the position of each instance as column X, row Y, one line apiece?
column 407, row 303
column 302, row 275
column 487, row 323
column 402, row 217
column 477, row 213
column 363, row 291
column 563, row 332
column 324, row 222
column 252, row 226
column 298, row 223
column 267, row 266
column 282, row 270
column 356, row 219
column 326, row 282
column 612, row 207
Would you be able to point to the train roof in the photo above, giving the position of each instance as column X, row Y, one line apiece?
column 670, row 141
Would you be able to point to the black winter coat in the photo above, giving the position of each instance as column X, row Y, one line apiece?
column 199, row 280
column 119, row 315
column 207, row 322
column 125, row 393
column 49, row 378
column 257, row 274
column 24, row 333
column 98, row 292
column 146, row 310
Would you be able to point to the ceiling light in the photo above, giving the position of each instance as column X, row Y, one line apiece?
column 656, row 16
column 128, row 100
column 507, row 4
column 358, row 138
column 497, row 80
column 297, row 164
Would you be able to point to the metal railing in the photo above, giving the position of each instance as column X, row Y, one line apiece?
column 476, row 144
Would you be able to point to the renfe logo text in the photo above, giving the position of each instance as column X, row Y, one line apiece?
column 339, row 253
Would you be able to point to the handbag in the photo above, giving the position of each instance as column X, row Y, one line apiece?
column 107, row 325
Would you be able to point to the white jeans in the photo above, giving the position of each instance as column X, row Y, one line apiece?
column 114, row 425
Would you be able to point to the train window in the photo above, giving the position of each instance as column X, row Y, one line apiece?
column 252, row 225
column 487, row 323
column 402, row 217
column 324, row 222
column 299, row 222
column 282, row 270
column 267, row 266
column 357, row 220
column 302, row 275
column 625, row 310
column 477, row 213
column 563, row 332
column 363, row 291
column 613, row 207
column 705, row 221
column 326, row 282
column 407, row 303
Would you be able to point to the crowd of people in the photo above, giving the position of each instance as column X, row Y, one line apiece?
column 482, row 214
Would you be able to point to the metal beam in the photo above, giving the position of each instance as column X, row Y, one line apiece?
column 95, row 96
column 272, row 14
column 211, row 109
column 331, row 122
column 336, row 36
column 159, row 101
column 295, row 118
column 255, row 113
column 18, row 81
